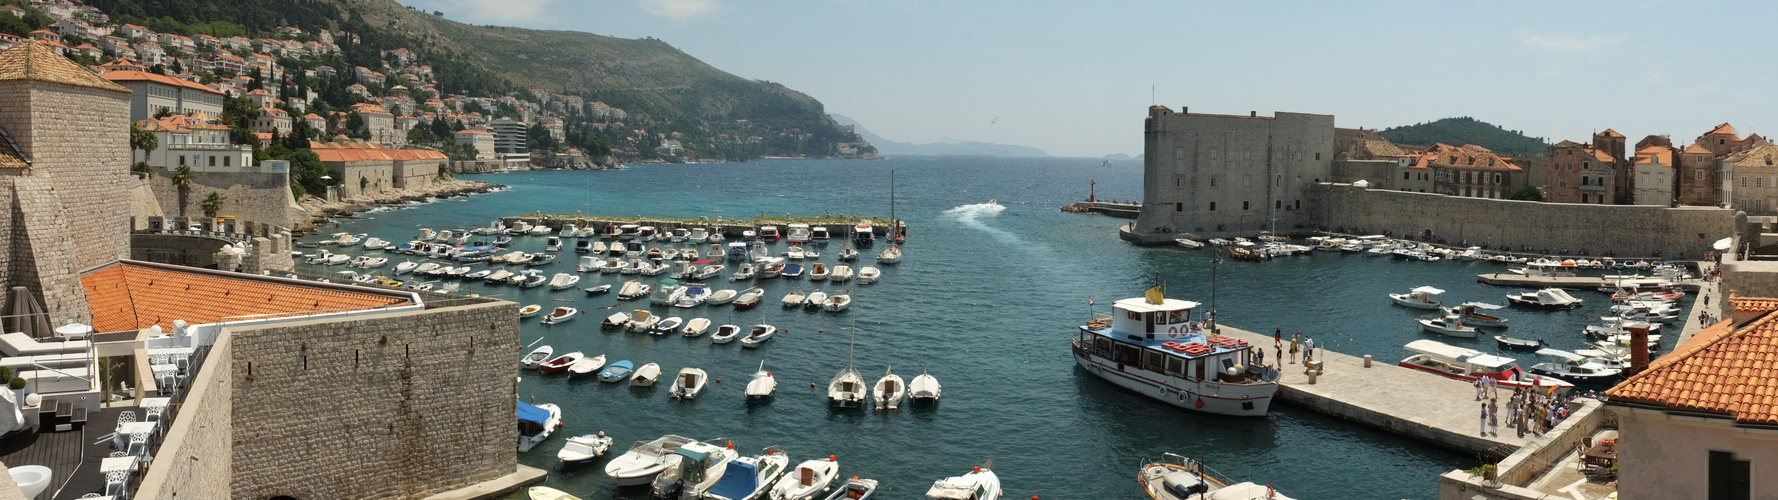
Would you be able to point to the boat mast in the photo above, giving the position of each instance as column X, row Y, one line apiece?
column 894, row 225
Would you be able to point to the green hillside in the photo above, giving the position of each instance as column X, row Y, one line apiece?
column 1465, row 130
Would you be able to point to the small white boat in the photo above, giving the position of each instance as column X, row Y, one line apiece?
column 426, row 268
column 404, row 267
column 553, row 245
column 537, row 357
column 846, row 389
column 598, row 289
column 615, row 320
column 924, row 388
column 1548, row 298
column 723, row 297
column 561, row 315
column 634, row 289
column 758, row 335
column 725, row 334
column 1418, row 298
column 337, row 259
column 689, row 383
column 666, row 326
column 889, row 255
column 563, row 281
column 840, row 273
column 584, row 449
column 748, row 478
column 744, row 271
column 644, row 461
column 586, row 366
column 855, row 489
column 888, row 391
column 979, row 484
column 818, row 271
column 837, row 302
column 530, row 310
column 548, row 493
column 794, row 253
column 868, row 275
column 849, row 254
column 749, row 298
column 763, row 385
column 1448, row 325
column 561, row 363
column 692, row 296
column 482, row 274
column 647, row 375
column 1174, row 477
column 641, row 321
column 810, row 478
column 536, row 423
column 815, row 300
column 794, row 298
column 1189, row 243
column 695, row 327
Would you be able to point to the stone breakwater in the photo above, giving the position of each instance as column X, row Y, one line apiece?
column 320, row 210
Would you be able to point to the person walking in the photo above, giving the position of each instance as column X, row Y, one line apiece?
column 1494, row 417
column 1293, row 345
column 1482, row 422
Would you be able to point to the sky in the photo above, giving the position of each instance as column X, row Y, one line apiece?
column 1076, row 78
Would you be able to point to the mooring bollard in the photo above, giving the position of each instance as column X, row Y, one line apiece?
column 1312, row 374
column 1367, row 361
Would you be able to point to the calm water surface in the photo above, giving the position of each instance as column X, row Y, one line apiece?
column 987, row 299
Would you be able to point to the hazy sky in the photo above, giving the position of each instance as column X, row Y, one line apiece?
column 1074, row 78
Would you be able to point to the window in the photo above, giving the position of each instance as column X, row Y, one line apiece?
column 1318, row 156
column 1583, row 197
column 212, row 161
column 1583, row 180
column 1179, row 207
column 1278, row 155
column 1496, row 178
column 181, row 160
column 1213, row 206
column 1213, row 154
column 1246, row 181
column 1404, row 176
column 1299, row 156
column 1244, row 204
column 1278, row 204
column 1212, row 182
column 1279, row 181
column 1299, row 204
column 225, row 161
column 1743, row 182
column 1586, row 165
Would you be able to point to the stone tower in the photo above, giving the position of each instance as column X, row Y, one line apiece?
column 1212, row 175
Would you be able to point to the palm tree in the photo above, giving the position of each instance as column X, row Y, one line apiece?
column 212, row 204
column 182, row 178
column 142, row 140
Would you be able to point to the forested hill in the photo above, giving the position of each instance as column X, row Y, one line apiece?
column 1465, row 130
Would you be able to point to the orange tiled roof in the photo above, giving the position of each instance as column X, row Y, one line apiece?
column 1721, row 369
column 1611, row 133
column 1722, row 129
column 139, row 76
column 1469, row 156
column 1753, row 304
column 31, row 60
column 10, row 158
column 1696, row 149
column 128, row 296
column 1655, row 154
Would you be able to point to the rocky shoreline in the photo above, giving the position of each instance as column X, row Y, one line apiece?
column 321, row 210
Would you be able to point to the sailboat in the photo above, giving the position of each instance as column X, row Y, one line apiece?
column 846, row 390
column 924, row 388
column 892, row 253
column 889, row 390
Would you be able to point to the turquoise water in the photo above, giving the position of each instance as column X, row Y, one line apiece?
column 986, row 299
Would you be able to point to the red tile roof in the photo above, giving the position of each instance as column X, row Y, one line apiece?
column 143, row 76
column 1722, row 369
column 1722, row 129
column 1655, row 154
column 129, row 296
column 1611, row 133
column 32, row 60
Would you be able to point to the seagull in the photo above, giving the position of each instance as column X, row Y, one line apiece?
column 992, row 122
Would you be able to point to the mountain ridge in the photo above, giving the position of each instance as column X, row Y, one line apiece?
column 944, row 146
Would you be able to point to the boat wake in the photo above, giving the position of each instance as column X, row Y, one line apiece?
column 973, row 216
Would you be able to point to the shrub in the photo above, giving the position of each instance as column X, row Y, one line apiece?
column 17, row 383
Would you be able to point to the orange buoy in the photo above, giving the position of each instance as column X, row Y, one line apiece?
column 731, row 445
column 719, row 380
column 830, row 458
column 978, row 469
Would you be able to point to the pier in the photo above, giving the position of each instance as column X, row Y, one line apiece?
column 1122, row 210
column 1414, row 404
column 1586, row 282
column 841, row 227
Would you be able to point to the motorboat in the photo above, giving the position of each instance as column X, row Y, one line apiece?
column 863, row 234
column 536, row 423
column 840, row 273
column 763, row 384
column 689, row 383
column 1471, row 314
column 791, row 271
column 506, row 241
column 641, row 321
column 404, row 267
column 810, row 478
column 1448, row 325
column 644, row 461
column 1418, row 298
column 548, row 493
column 457, row 272
column 693, row 296
column 924, row 388
column 815, row 300
column 667, row 325
column 1511, row 344
column 848, row 254
column 538, row 259
column 837, row 302
column 744, row 271
column 589, row 264
column 769, row 269
column 617, row 371
column 568, row 230
column 646, row 375
column 498, row 277
column 721, row 297
column 978, row 484
column 698, row 235
column 1548, row 298
column 693, row 469
column 1178, row 340
column 749, row 298
column 708, row 271
column 888, row 391
column 426, row 234
column 536, row 357
column 633, row 290
column 1576, row 368
column 695, row 327
column 532, row 278
column 678, row 234
column 818, row 272
column 795, row 252
column 1175, row 477
column 868, row 275
column 759, row 334
column 889, row 255
column 768, row 233
column 797, row 234
column 561, row 363
column 538, row 230
column 725, row 334
column 561, row 315
column 592, row 247
column 586, row 366
column 1466, row 364
column 563, row 281
column 337, row 259
column 749, row 478
column 482, row 274
column 820, row 234
column 855, row 489
column 584, row 449
column 1619, row 326
column 736, row 251
column 794, row 298
column 530, row 310
column 605, row 288
column 666, row 293
column 615, row 320
column 647, row 233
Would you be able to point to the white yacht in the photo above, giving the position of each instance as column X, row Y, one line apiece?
column 644, row 461
column 1191, row 368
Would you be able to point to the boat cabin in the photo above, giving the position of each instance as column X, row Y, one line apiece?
column 628, row 231
column 798, row 233
column 1161, row 338
column 768, row 232
column 694, row 460
column 646, row 232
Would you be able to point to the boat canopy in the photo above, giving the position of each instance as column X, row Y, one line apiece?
column 694, row 455
column 1427, row 290
column 1141, row 305
column 738, row 480
column 1482, row 305
column 531, row 413
column 1460, row 354
column 1561, row 354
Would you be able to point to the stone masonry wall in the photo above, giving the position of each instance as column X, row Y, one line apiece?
column 415, row 174
column 45, row 254
column 396, row 405
column 81, row 137
column 258, row 197
column 195, row 459
column 1631, row 231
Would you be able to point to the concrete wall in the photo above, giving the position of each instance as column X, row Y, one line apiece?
column 190, row 251
column 1631, row 231
column 1530, row 461
column 1251, row 168
column 252, row 194
column 45, row 257
column 195, row 458
column 330, row 409
column 1667, row 455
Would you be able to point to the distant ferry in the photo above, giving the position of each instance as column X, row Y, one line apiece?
column 1151, row 346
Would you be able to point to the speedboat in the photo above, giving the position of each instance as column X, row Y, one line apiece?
column 561, row 315
column 1174, row 477
column 586, row 366
column 646, row 375
column 794, row 298
column 689, row 382
column 1512, row 344
column 548, row 493
column 763, row 385
column 1471, row 314
column 888, row 391
column 749, row 298
column 1418, row 298
column 598, row 289
column 979, row 484
column 848, row 254
column 795, row 252
column 666, row 326
column 644, row 461
column 529, row 311
column 1448, row 325
column 563, row 281
column 818, row 272
column 837, row 302
column 561, row 363
column 584, row 449
column 815, row 300
column 1576, row 368
column 537, row 357
column 868, row 275
column 924, row 388
column 536, row 423
column 695, row 327
column 758, row 335
column 840, row 273
column 725, row 334
column 748, row 478
column 615, row 320
column 641, row 321
column 855, row 489
column 809, row 479
column 633, row 290
column 693, row 469
column 723, row 297
column 1468, row 365
column 617, row 371
column 1548, row 298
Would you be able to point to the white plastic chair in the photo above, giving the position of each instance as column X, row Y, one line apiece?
column 127, row 417
column 115, row 485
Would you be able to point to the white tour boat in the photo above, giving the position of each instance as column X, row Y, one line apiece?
column 1151, row 346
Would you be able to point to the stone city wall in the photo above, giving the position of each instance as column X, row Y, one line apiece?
column 1630, row 231
column 255, row 196
column 80, row 136
column 49, row 262
column 195, row 458
column 395, row 405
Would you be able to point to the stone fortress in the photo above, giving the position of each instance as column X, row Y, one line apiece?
column 1212, row 175
column 285, row 388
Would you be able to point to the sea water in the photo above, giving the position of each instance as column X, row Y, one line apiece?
column 986, row 299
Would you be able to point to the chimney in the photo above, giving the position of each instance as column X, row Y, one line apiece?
column 1638, row 347
column 1184, row 109
column 1252, row 114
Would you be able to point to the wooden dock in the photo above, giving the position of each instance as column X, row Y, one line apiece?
column 1411, row 403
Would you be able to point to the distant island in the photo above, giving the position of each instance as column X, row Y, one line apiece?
column 943, row 147
column 1465, row 130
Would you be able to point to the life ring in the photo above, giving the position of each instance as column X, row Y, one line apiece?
column 1183, row 396
column 1161, row 390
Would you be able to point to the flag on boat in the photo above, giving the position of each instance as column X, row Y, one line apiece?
column 1154, row 295
column 1089, row 301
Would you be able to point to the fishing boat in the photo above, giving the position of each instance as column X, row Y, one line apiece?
column 644, row 460
column 1548, row 298
column 749, row 299
column 815, row 300
column 617, row 371
column 924, row 388
column 1512, row 344
column 563, row 281
column 597, row 289
column 818, row 272
column 749, row 478
column 615, row 320
column 561, row 363
column 561, row 315
column 1576, row 368
column 586, row 366
column 888, row 391
column 721, row 297
column 548, row 493
column 794, row 299
column 689, row 383
column 584, row 449
column 868, row 275
column 837, row 302
column 536, row 423
column 646, row 375
column 1448, row 325
column 1469, row 364
column 536, row 357
column 1192, row 368
column 668, row 325
column 1174, row 477
column 763, row 384
column 1418, row 298
column 642, row 320
column 810, row 478
column 978, row 484
column 725, row 334
column 633, row 290
column 759, row 334
column 530, row 310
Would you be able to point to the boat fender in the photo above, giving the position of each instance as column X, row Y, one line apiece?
column 1183, row 396
column 1162, row 390
column 1199, row 404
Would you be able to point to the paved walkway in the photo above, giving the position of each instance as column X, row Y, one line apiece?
column 1706, row 290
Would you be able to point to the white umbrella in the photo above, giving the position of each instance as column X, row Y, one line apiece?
column 1723, row 244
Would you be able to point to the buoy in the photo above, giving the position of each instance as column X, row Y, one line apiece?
column 731, row 445
column 811, row 385
column 978, row 469
column 821, row 330
column 719, row 380
column 830, row 458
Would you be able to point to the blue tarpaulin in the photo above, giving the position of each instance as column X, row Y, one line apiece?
column 532, row 413
column 738, row 480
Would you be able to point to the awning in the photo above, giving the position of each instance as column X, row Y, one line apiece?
column 1723, row 244
column 696, row 456
column 531, row 413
